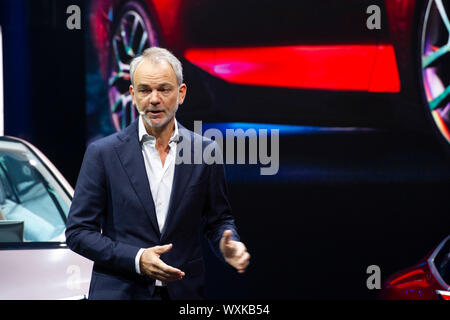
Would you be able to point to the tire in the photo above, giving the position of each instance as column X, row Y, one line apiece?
column 132, row 32
column 434, row 44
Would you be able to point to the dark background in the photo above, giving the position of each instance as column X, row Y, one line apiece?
column 342, row 201
column 44, row 80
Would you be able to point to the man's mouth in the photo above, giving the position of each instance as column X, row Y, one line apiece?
column 155, row 112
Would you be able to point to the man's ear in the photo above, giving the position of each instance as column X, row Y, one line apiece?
column 132, row 95
column 182, row 93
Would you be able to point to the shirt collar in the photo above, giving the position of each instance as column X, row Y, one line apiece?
column 144, row 136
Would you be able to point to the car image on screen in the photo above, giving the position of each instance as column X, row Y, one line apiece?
column 322, row 63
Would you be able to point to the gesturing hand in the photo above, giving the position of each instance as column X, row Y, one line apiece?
column 234, row 252
column 154, row 267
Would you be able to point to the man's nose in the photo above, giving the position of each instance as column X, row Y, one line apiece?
column 154, row 97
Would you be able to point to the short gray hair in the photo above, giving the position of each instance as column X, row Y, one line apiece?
column 156, row 54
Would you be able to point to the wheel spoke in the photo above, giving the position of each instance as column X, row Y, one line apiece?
column 126, row 98
column 122, row 66
column 435, row 55
column 116, row 76
column 116, row 53
column 123, row 35
column 113, row 79
column 443, row 14
column 123, row 118
column 115, row 108
column 132, row 34
column 131, row 110
column 121, row 103
column 142, row 43
column 441, row 99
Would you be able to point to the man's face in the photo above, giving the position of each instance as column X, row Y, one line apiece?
column 156, row 93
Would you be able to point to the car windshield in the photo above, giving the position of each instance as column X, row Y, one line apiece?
column 33, row 205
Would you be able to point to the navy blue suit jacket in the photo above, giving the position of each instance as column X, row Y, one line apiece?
column 113, row 215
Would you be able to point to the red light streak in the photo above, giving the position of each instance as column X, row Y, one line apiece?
column 370, row 68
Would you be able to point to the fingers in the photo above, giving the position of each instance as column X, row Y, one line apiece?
column 166, row 277
column 163, row 272
column 167, row 271
column 227, row 236
column 243, row 262
column 153, row 266
column 240, row 258
column 240, row 249
column 162, row 249
column 170, row 271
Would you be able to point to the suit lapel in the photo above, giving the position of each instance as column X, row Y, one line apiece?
column 182, row 175
column 130, row 154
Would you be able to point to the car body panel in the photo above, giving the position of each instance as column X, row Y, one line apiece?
column 43, row 274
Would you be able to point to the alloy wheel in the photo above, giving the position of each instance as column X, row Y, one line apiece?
column 435, row 50
column 133, row 33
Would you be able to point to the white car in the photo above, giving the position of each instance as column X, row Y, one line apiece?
column 35, row 198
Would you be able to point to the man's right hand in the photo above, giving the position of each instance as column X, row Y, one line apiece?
column 154, row 267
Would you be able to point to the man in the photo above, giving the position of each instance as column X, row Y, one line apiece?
column 137, row 212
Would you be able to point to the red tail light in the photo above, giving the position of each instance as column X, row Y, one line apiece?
column 414, row 278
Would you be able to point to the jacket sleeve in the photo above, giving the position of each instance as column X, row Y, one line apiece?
column 217, row 211
column 83, row 232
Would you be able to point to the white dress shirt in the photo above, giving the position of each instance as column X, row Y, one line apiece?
column 160, row 177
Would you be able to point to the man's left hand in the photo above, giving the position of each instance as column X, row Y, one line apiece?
column 234, row 252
